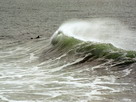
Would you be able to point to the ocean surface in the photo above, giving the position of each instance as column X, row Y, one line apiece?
column 67, row 51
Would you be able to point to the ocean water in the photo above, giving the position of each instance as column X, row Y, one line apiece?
column 90, row 58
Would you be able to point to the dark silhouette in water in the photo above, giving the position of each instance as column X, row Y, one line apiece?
column 36, row 37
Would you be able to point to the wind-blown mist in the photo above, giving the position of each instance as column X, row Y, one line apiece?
column 100, row 31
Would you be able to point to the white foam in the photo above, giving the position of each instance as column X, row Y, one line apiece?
column 126, row 72
column 4, row 98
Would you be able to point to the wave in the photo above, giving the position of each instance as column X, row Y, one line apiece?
column 78, row 38
column 100, row 31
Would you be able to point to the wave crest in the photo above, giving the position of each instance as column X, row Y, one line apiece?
column 98, row 30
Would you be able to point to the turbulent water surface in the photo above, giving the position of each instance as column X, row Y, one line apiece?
column 91, row 59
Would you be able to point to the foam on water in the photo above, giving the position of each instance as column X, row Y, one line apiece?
column 59, row 77
column 99, row 30
column 54, row 80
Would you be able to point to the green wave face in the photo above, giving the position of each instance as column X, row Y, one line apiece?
column 62, row 41
column 95, row 50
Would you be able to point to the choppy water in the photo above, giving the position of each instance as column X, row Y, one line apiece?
column 37, row 71
column 74, row 65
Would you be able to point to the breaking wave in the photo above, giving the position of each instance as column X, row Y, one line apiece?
column 108, row 39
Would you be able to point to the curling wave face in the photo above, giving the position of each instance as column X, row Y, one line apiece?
column 99, row 31
column 103, row 40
